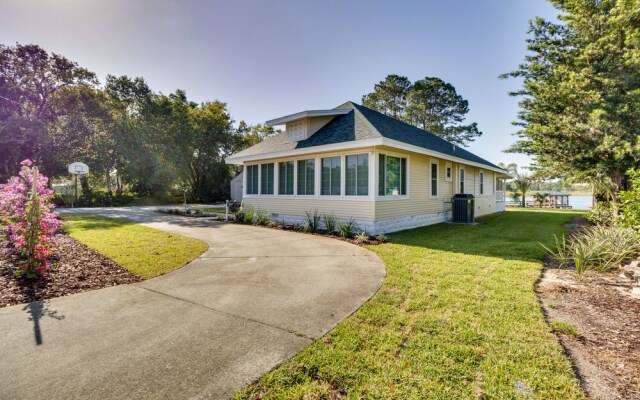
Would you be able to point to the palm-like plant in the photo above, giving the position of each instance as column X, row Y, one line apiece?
column 523, row 182
column 540, row 198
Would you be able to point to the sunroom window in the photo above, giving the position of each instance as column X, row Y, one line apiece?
column 267, row 171
column 285, row 177
column 392, row 176
column 306, row 177
column 357, row 180
column 252, row 179
column 330, row 177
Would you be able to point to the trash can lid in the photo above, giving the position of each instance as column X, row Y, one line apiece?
column 463, row 196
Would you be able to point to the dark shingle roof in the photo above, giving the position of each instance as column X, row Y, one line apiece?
column 363, row 123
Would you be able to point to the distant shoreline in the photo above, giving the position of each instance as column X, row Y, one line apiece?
column 576, row 193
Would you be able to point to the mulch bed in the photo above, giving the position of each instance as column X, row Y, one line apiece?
column 606, row 351
column 77, row 268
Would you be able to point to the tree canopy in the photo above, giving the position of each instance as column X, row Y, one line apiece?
column 580, row 100
column 54, row 112
column 430, row 104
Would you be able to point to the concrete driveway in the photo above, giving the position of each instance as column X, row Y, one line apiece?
column 253, row 300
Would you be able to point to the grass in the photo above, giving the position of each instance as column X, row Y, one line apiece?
column 456, row 318
column 144, row 251
column 564, row 327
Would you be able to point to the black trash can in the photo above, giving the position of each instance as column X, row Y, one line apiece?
column 463, row 208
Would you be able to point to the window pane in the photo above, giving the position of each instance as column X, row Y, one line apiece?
column 403, row 176
column 357, row 179
column 285, row 176
column 381, row 173
column 267, row 179
column 325, row 179
column 252, row 179
column 352, row 174
column 335, row 176
column 392, row 176
column 363, row 175
column 289, row 187
column 330, row 176
column 434, row 179
column 311, row 177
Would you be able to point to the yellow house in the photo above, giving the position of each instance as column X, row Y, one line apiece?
column 356, row 163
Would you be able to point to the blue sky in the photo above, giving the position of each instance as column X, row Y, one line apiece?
column 268, row 58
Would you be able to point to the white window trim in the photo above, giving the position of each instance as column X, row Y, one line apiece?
column 448, row 166
column 463, row 181
column 435, row 162
column 481, row 183
column 377, row 197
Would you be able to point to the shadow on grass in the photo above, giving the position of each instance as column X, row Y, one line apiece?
column 514, row 235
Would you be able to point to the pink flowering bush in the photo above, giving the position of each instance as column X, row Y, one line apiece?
column 28, row 222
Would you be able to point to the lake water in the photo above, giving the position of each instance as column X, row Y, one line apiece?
column 577, row 202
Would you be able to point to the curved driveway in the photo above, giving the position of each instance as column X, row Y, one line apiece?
column 254, row 299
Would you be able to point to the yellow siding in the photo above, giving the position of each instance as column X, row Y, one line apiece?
column 418, row 202
column 340, row 208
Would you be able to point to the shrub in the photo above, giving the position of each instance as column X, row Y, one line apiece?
column 382, row 238
column 602, row 213
column 600, row 248
column 260, row 218
column 312, row 221
column 104, row 199
column 28, row 222
column 347, row 229
column 330, row 223
column 362, row 237
column 630, row 202
column 241, row 217
column 564, row 327
column 249, row 215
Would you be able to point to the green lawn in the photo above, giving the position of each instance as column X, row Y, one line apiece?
column 144, row 251
column 456, row 318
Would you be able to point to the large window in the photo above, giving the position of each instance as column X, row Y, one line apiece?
column 461, row 180
column 252, row 179
column 392, row 179
column 481, row 182
column 330, row 177
column 357, row 180
column 306, row 177
column 285, row 177
column 266, row 183
column 434, row 179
